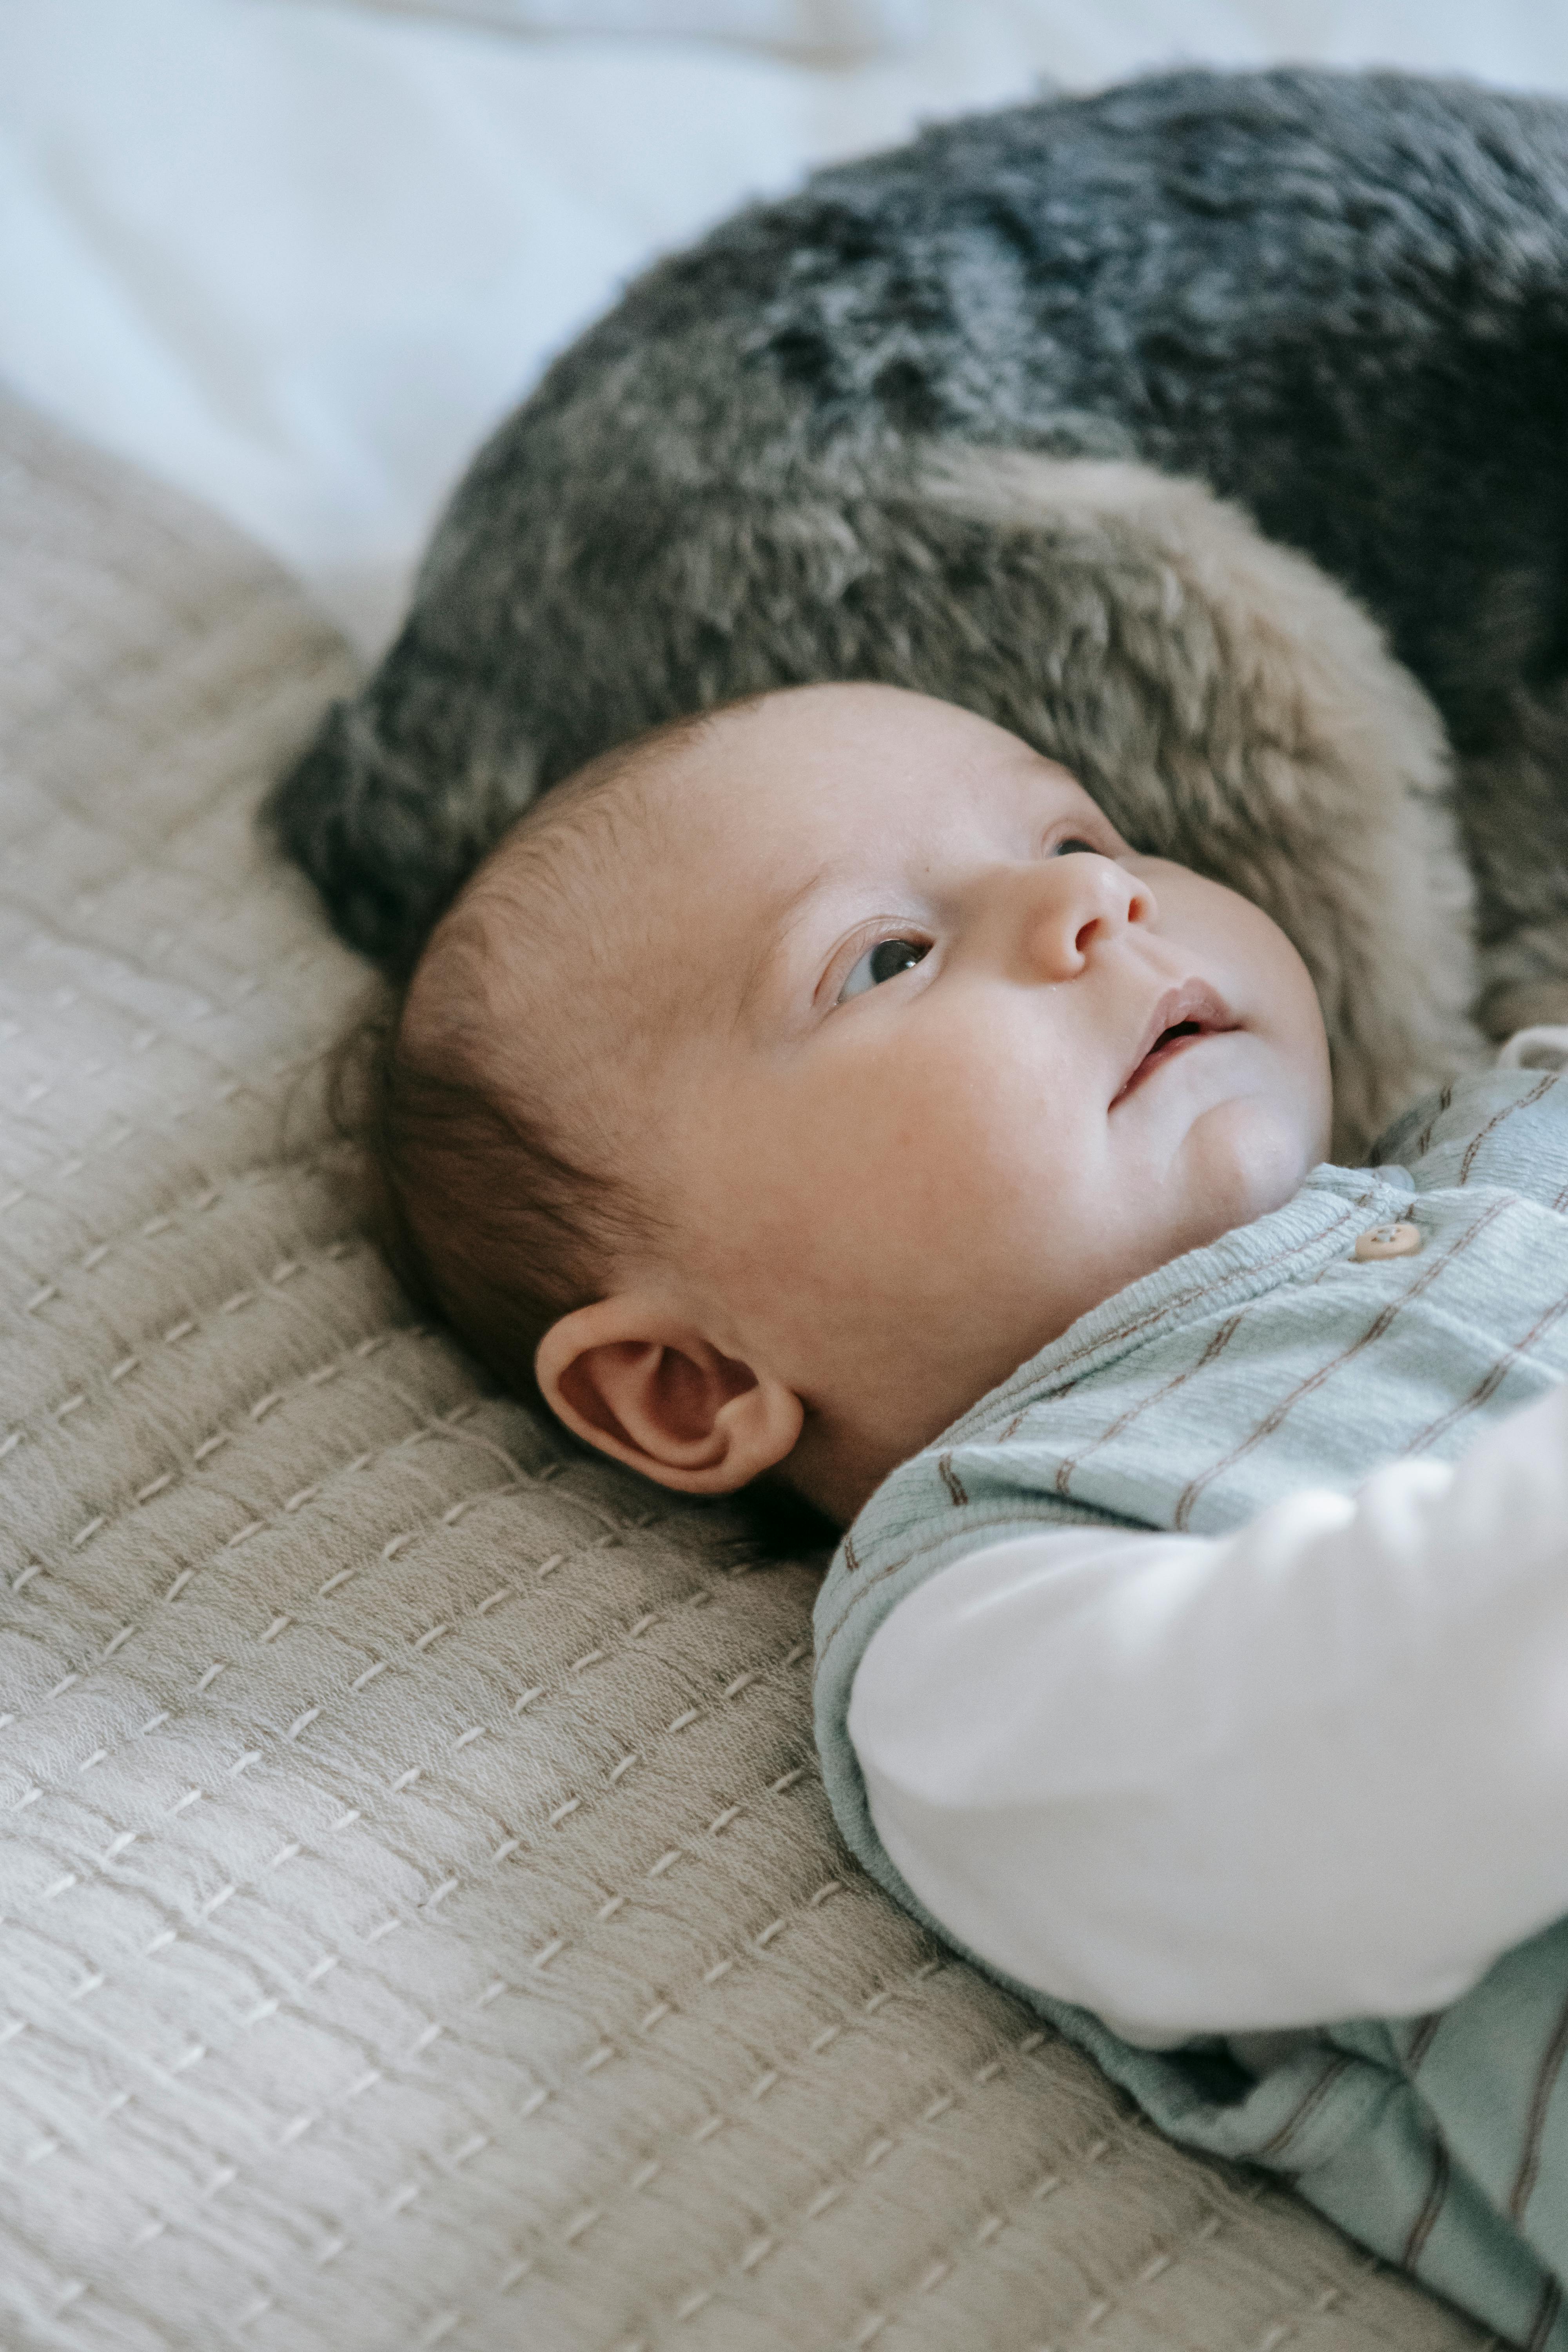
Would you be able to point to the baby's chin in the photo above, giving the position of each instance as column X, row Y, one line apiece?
column 1242, row 1159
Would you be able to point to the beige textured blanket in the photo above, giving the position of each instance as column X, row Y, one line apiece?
column 420, row 1921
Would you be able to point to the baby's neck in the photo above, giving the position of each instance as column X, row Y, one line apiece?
column 837, row 1472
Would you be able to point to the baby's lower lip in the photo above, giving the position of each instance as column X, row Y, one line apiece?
column 1165, row 1048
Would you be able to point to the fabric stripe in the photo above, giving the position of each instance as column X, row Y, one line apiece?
column 1421, row 2040
column 1425, row 2220
column 951, row 1481
column 1498, row 1118
column 1272, row 2150
column 1546, row 2318
column 1423, row 1141
column 1491, row 1380
column 1217, row 1347
column 1540, row 2104
column 1369, row 1337
column 879, row 1576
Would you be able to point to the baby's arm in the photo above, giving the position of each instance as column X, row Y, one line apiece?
column 1314, row 1770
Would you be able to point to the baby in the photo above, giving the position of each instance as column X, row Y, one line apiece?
column 821, row 1090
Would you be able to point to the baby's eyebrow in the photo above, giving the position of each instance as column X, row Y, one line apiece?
column 773, row 928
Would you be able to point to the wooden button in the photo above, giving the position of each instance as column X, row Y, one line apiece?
column 1388, row 1241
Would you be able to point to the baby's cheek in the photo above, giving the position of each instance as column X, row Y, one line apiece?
column 865, row 1119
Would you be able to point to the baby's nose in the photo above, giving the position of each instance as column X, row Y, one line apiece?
column 1081, row 903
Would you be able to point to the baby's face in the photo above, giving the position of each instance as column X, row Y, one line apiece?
column 948, row 1063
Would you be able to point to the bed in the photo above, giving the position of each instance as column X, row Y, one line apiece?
column 423, row 1921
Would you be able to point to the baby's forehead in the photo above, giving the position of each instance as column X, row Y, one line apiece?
column 575, row 926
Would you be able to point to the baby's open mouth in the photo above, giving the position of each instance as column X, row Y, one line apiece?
column 1182, row 1016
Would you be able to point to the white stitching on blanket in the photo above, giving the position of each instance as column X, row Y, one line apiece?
column 882, row 2146
column 1238, row 2198
column 432, row 2029
column 280, row 1623
column 336, row 1250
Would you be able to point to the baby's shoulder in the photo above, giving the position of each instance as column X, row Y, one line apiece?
column 1506, row 1127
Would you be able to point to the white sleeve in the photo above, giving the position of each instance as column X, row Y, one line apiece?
column 1314, row 1770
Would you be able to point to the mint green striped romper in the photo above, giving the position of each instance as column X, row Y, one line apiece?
column 1275, row 1359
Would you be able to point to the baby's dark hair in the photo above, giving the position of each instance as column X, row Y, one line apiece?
column 494, row 1190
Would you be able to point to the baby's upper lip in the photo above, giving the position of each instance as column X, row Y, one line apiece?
column 1193, row 1001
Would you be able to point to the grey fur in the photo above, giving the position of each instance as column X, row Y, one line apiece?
column 793, row 453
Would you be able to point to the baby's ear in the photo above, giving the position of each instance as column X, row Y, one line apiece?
column 636, row 1377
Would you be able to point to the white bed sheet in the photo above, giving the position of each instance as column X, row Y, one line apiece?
column 297, row 260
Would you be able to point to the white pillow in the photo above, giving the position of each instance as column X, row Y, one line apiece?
column 820, row 29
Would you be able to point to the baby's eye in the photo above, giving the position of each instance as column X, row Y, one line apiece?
column 1076, row 842
column 886, row 960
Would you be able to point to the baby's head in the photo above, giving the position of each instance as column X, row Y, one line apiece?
column 785, row 1081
